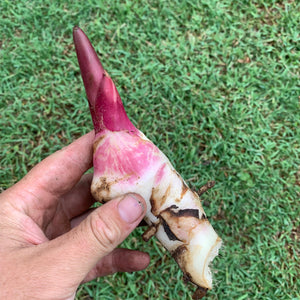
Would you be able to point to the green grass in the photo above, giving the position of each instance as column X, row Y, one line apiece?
column 215, row 84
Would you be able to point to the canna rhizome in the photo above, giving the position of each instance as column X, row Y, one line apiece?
column 125, row 160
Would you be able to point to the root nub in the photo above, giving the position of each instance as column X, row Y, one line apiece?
column 206, row 187
column 199, row 293
column 149, row 233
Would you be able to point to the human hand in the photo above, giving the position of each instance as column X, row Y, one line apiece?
column 50, row 241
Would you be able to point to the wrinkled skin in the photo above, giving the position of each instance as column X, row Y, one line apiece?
column 51, row 241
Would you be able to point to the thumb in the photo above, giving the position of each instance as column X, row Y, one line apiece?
column 95, row 237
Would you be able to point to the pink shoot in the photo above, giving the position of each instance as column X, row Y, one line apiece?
column 105, row 104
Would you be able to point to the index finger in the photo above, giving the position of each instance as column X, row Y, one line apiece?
column 59, row 172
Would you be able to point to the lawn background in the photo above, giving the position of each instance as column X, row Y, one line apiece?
column 215, row 84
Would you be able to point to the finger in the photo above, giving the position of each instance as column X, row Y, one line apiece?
column 120, row 260
column 79, row 199
column 76, row 221
column 95, row 237
column 58, row 173
column 56, row 221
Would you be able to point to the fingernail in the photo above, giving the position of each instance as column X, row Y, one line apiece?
column 130, row 208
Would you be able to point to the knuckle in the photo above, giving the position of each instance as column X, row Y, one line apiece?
column 106, row 231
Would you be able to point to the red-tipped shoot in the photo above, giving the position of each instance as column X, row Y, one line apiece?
column 105, row 104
